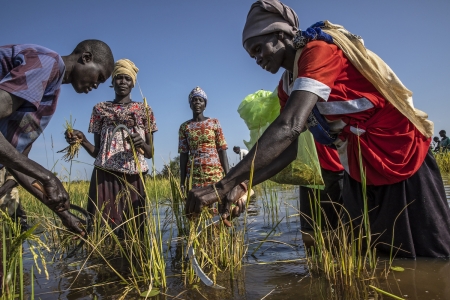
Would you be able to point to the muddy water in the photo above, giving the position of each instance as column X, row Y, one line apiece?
column 263, row 274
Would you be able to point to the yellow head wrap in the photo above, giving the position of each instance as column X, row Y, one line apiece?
column 125, row 67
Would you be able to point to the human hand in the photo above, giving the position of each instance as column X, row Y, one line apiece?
column 73, row 136
column 235, row 196
column 55, row 195
column 137, row 140
column 71, row 222
column 199, row 198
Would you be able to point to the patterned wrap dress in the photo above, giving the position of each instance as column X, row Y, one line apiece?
column 202, row 140
column 116, row 177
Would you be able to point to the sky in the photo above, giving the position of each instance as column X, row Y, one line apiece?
column 178, row 45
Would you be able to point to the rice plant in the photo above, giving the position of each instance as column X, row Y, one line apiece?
column 443, row 161
column 218, row 248
column 345, row 255
column 72, row 150
column 140, row 246
column 11, row 245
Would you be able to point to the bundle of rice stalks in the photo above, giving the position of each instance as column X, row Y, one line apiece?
column 72, row 150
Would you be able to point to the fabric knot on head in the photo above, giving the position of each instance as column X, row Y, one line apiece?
column 267, row 16
column 125, row 67
column 313, row 33
column 198, row 92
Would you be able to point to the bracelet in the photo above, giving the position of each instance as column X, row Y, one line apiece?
column 244, row 186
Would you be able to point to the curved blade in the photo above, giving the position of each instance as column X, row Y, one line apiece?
column 121, row 126
column 198, row 271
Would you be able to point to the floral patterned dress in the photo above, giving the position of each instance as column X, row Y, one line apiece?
column 116, row 153
column 202, row 140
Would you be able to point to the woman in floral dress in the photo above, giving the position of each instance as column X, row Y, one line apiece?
column 201, row 140
column 116, row 179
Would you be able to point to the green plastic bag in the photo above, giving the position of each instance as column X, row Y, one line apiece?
column 259, row 110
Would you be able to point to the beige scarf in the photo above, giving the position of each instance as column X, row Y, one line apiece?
column 380, row 75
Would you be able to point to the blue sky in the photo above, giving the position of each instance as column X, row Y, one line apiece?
column 178, row 45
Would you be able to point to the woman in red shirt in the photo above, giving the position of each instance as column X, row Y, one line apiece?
column 344, row 110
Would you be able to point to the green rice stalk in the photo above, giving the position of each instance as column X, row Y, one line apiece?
column 72, row 150
column 267, row 236
column 32, row 283
column 385, row 293
column 344, row 259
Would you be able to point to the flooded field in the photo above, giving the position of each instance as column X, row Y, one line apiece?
column 276, row 270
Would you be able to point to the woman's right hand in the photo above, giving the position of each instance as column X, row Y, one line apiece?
column 73, row 136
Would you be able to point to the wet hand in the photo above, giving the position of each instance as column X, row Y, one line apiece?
column 73, row 136
column 199, row 198
column 233, row 197
column 55, row 196
column 72, row 223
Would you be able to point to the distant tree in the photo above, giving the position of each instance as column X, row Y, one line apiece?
column 173, row 165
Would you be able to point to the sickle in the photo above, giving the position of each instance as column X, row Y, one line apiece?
column 198, row 270
column 121, row 126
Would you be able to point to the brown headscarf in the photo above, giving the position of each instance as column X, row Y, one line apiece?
column 267, row 16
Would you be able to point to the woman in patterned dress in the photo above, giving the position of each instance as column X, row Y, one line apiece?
column 201, row 139
column 116, row 177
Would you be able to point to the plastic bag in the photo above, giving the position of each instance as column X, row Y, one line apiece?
column 259, row 110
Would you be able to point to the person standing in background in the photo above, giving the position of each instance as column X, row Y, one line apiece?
column 435, row 144
column 444, row 144
column 201, row 144
column 242, row 152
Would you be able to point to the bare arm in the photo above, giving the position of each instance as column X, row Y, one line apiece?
column 276, row 139
column 224, row 160
column 12, row 159
column 281, row 162
column 93, row 150
column 69, row 220
column 7, row 187
column 276, row 166
column 148, row 146
column 184, row 157
column 12, row 183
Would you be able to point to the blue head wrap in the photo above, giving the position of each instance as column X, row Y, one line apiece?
column 198, row 92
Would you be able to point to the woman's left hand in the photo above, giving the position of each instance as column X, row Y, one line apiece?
column 137, row 140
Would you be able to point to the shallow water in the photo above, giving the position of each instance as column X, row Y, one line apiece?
column 263, row 275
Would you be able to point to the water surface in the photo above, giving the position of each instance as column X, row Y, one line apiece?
column 276, row 271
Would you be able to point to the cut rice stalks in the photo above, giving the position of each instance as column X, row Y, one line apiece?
column 72, row 150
